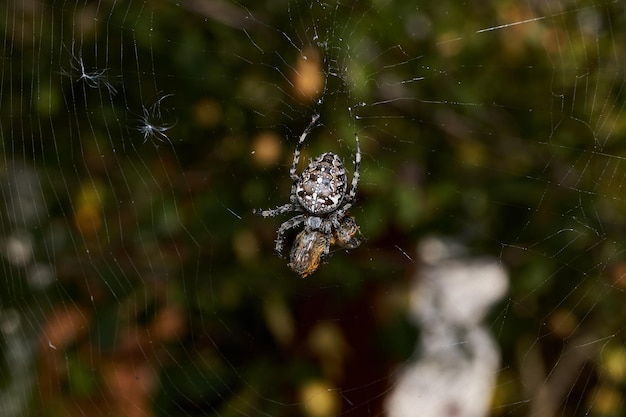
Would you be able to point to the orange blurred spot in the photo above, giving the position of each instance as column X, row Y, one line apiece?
column 168, row 324
column 614, row 363
column 65, row 324
column 279, row 319
column 562, row 322
column 327, row 342
column 309, row 79
column 618, row 275
column 246, row 245
column 87, row 220
column 267, row 148
column 207, row 113
column 605, row 401
column 87, row 216
column 130, row 387
column 320, row 399
column 449, row 44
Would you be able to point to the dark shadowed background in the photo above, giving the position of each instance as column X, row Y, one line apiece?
column 138, row 136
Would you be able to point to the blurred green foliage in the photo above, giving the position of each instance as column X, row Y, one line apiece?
column 167, row 298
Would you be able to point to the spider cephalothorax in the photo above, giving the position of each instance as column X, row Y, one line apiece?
column 320, row 194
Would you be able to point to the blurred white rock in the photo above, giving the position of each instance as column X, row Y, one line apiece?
column 457, row 359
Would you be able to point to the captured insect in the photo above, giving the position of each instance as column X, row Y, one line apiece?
column 321, row 194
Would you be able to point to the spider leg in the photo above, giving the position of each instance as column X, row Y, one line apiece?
column 292, row 206
column 351, row 196
column 357, row 165
column 280, row 234
column 327, row 230
column 348, row 234
column 326, row 251
column 296, row 152
column 326, row 227
column 276, row 211
column 340, row 214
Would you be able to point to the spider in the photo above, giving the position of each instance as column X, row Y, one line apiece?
column 320, row 194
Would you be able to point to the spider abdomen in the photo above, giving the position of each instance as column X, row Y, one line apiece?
column 308, row 251
column 322, row 185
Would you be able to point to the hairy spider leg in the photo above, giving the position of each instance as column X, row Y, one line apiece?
column 292, row 205
column 296, row 152
column 351, row 196
column 285, row 208
column 357, row 167
column 289, row 224
column 347, row 234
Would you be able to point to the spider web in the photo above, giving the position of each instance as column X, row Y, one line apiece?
column 138, row 136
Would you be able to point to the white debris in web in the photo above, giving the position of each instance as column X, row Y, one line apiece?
column 457, row 358
column 19, row 354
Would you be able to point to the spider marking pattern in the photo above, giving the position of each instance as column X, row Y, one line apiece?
column 320, row 194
